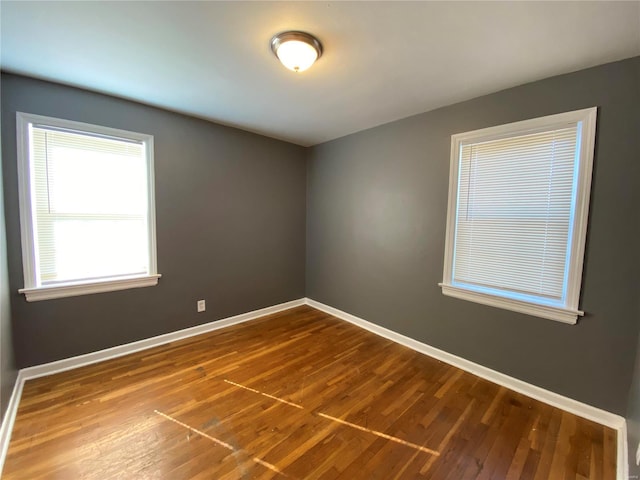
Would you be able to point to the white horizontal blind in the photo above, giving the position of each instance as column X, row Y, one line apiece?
column 90, row 210
column 514, row 213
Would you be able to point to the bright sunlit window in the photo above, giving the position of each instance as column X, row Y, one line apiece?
column 518, row 209
column 87, row 208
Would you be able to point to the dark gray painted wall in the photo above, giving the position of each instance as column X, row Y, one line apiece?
column 376, row 218
column 633, row 409
column 8, row 371
column 230, row 211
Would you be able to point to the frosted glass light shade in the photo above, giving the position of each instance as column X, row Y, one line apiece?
column 297, row 51
column 297, row 56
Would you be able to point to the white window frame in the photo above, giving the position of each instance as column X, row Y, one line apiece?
column 567, row 309
column 32, row 290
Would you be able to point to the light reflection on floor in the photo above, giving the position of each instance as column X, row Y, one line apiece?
column 221, row 443
column 418, row 448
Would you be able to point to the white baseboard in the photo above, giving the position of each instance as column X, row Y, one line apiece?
column 115, row 352
column 568, row 404
column 9, row 418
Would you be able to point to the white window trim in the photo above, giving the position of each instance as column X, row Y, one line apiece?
column 72, row 289
column 31, row 290
column 568, row 312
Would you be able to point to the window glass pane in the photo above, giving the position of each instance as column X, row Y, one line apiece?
column 515, row 199
column 91, row 215
column 89, row 248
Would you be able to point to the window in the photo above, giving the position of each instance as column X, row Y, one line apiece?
column 517, row 219
column 86, row 208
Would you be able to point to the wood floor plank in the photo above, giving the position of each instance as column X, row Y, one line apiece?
column 298, row 395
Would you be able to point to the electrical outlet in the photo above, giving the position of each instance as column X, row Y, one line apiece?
column 201, row 306
column 638, row 455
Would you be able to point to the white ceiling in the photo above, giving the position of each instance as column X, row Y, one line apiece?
column 382, row 60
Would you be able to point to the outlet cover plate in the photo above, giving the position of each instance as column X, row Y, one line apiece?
column 201, row 306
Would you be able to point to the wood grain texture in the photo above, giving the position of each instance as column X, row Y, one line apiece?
column 300, row 395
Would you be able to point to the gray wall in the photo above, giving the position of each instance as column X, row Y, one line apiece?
column 376, row 218
column 8, row 372
column 230, row 211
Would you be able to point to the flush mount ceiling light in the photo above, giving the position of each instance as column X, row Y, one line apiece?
column 296, row 50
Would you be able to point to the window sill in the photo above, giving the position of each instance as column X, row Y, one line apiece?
column 86, row 288
column 551, row 313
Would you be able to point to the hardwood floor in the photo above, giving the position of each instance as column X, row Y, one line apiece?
column 298, row 395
